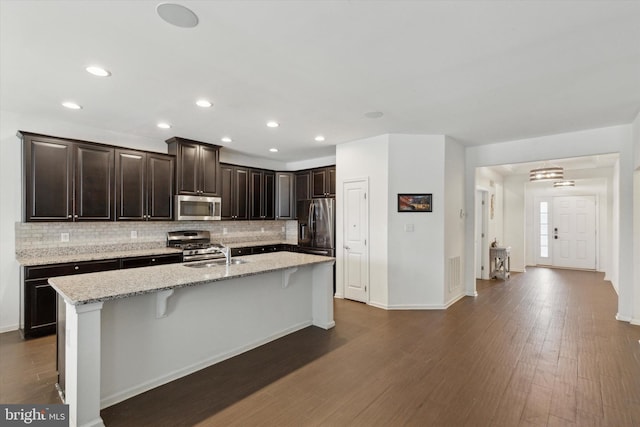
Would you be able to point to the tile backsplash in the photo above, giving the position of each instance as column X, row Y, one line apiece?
column 49, row 235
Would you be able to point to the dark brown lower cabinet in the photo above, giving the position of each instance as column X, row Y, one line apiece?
column 38, row 298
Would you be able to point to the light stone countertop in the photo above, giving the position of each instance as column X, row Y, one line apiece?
column 107, row 285
column 54, row 258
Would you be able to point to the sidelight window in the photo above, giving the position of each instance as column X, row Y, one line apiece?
column 544, row 230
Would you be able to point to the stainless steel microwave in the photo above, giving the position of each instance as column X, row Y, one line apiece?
column 197, row 208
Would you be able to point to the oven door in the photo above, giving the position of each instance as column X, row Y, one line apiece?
column 198, row 208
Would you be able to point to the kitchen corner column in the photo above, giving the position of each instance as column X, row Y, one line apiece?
column 82, row 364
column 322, row 295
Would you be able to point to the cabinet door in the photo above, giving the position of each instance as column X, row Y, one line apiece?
column 94, row 183
column 209, row 166
column 188, row 167
column 241, row 193
column 303, row 180
column 256, row 190
column 318, row 180
column 130, row 185
column 268, row 198
column 40, row 313
column 226, row 193
column 48, row 165
column 160, row 178
column 284, row 203
column 331, row 181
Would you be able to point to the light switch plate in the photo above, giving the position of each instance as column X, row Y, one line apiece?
column 134, row 234
column 408, row 228
column 64, row 237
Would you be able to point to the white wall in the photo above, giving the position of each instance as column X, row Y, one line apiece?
column 636, row 215
column 455, row 213
column 615, row 139
column 415, row 258
column 492, row 182
column 514, row 225
column 367, row 158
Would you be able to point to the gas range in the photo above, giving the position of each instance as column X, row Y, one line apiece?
column 195, row 244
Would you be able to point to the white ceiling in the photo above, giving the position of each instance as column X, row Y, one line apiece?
column 479, row 72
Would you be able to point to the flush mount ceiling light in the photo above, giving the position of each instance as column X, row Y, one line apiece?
column 98, row 71
column 374, row 114
column 203, row 103
column 565, row 183
column 273, row 150
column 319, row 138
column 226, row 139
column 273, row 124
column 163, row 125
column 71, row 105
column 546, row 174
column 177, row 15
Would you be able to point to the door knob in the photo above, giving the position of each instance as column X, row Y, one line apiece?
column 347, row 247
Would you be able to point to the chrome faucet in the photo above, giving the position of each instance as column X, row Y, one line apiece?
column 226, row 251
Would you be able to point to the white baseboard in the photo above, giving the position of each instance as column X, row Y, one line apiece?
column 120, row 396
column 9, row 328
column 472, row 294
column 338, row 296
column 454, row 300
column 623, row 318
column 635, row 322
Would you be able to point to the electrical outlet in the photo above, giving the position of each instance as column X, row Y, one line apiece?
column 64, row 237
column 408, row 228
column 283, row 230
column 262, row 229
column 134, row 234
column 224, row 230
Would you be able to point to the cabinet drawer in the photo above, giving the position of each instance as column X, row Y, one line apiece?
column 47, row 271
column 240, row 251
column 145, row 261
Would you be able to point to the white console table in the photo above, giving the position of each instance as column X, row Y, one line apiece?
column 500, row 262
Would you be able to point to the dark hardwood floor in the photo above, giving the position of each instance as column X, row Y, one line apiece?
column 542, row 348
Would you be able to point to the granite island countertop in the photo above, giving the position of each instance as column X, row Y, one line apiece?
column 55, row 257
column 103, row 286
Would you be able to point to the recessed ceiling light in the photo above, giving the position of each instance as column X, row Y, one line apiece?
column 226, row 139
column 203, row 103
column 98, row 71
column 71, row 105
column 177, row 15
column 273, row 124
column 374, row 114
column 319, row 138
column 273, row 150
column 163, row 125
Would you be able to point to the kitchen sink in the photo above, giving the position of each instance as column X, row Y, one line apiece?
column 216, row 263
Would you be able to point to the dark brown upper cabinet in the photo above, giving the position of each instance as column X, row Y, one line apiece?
column 285, row 195
column 323, row 182
column 234, row 192
column 303, row 184
column 144, row 186
column 262, row 193
column 66, row 180
column 197, row 167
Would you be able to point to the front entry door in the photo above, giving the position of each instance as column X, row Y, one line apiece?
column 356, row 235
column 574, row 232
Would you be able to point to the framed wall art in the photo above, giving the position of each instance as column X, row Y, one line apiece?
column 414, row 202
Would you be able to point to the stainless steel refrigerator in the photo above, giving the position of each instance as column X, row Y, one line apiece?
column 316, row 226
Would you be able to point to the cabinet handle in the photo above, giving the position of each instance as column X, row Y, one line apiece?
column 76, row 268
column 75, row 216
column 153, row 260
column 70, row 216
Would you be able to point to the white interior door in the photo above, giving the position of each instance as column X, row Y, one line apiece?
column 356, row 236
column 574, row 232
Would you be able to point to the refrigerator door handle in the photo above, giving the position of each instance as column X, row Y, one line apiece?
column 312, row 221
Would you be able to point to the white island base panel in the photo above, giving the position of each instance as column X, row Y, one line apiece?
column 119, row 348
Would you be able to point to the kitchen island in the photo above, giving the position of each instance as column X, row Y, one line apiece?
column 127, row 331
